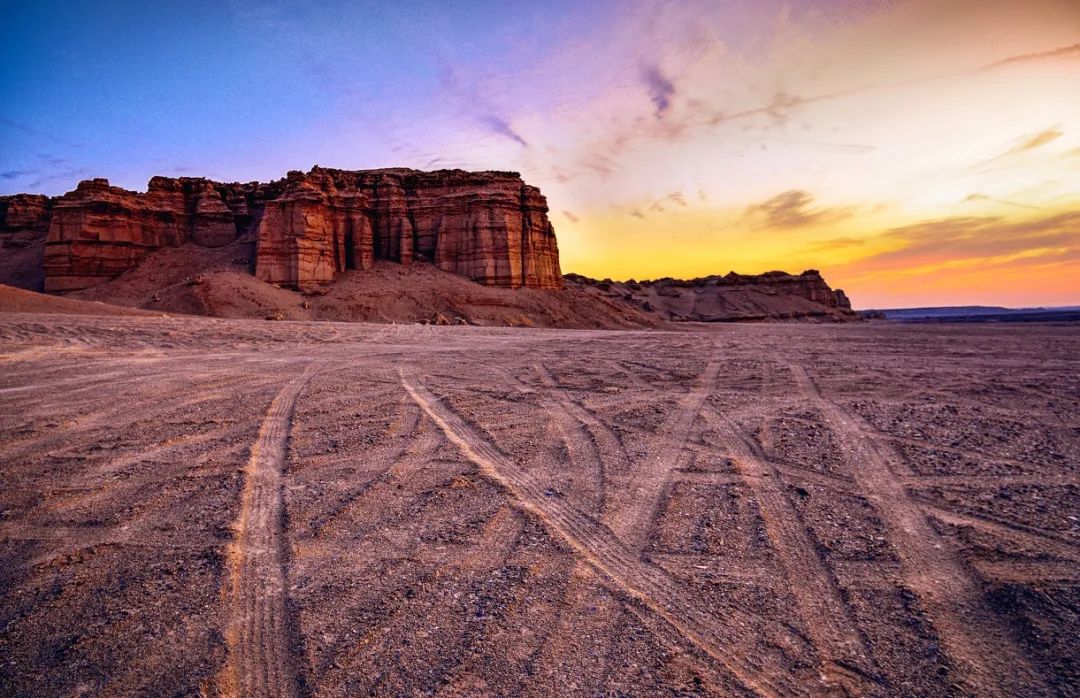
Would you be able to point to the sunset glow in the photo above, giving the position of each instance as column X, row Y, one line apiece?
column 918, row 153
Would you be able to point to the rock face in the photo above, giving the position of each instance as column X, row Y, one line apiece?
column 98, row 231
column 24, row 223
column 775, row 295
column 24, row 219
column 488, row 226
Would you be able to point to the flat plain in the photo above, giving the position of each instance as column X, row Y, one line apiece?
column 222, row 507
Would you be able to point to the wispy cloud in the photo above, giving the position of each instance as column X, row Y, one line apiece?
column 16, row 174
column 985, row 197
column 569, row 215
column 793, row 209
column 1072, row 51
column 965, row 238
column 476, row 104
column 501, row 127
column 1024, row 144
column 660, row 88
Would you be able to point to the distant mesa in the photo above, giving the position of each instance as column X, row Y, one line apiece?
column 774, row 295
column 351, row 242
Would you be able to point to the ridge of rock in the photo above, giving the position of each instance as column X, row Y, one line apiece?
column 490, row 227
column 774, row 295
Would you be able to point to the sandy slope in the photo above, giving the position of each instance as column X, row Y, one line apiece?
column 204, row 506
column 17, row 300
column 215, row 282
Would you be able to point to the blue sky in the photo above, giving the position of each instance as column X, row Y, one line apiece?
column 246, row 90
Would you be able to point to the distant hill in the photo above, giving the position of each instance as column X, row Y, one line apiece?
column 976, row 313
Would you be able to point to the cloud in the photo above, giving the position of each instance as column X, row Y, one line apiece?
column 569, row 215
column 660, row 88
column 966, row 238
column 1024, row 144
column 836, row 244
column 16, row 174
column 793, row 209
column 985, row 197
column 500, row 127
column 475, row 104
column 1032, row 141
column 1063, row 52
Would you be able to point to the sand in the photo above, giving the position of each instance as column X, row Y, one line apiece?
column 197, row 506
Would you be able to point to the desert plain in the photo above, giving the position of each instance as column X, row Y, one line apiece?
column 192, row 506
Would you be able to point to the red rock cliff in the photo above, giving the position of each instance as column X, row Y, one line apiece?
column 488, row 226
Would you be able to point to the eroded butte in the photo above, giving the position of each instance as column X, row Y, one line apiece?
column 247, row 508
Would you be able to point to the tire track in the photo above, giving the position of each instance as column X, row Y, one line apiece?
column 259, row 661
column 634, row 506
column 719, row 638
column 1030, row 537
column 146, row 407
column 989, row 660
column 587, row 440
column 845, row 658
column 1029, row 572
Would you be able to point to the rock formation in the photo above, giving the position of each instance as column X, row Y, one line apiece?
column 99, row 231
column 24, row 223
column 24, row 218
column 775, row 295
column 488, row 226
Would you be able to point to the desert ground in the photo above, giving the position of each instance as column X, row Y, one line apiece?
column 240, row 507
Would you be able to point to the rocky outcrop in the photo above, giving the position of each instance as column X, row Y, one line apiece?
column 488, row 226
column 774, row 295
column 24, row 223
column 99, row 231
column 24, row 219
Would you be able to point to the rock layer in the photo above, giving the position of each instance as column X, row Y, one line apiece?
column 488, row 226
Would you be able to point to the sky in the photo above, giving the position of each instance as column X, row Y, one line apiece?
column 922, row 152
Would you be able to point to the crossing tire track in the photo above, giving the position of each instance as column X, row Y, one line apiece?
column 988, row 659
column 634, row 506
column 621, row 567
column 846, row 661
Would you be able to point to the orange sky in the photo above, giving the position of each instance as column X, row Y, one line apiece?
column 917, row 153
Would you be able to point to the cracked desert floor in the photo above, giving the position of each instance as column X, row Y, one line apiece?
column 192, row 506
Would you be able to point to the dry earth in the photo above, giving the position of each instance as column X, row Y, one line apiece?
column 193, row 506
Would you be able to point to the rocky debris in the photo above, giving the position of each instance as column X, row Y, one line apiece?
column 775, row 295
column 488, row 226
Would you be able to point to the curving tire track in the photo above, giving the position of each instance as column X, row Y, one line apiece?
column 259, row 661
column 606, row 553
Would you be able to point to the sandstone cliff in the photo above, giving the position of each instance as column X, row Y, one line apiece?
column 774, row 295
column 24, row 223
column 488, row 226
